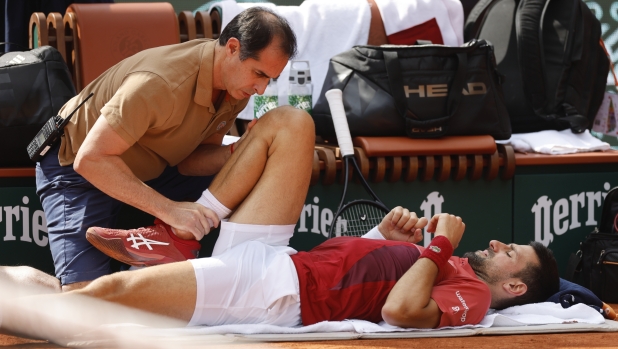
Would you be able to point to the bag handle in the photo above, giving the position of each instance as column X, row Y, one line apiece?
column 395, row 79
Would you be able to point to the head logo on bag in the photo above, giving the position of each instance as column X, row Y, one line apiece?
column 441, row 90
column 426, row 130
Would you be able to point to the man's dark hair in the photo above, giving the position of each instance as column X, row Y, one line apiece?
column 255, row 28
column 542, row 279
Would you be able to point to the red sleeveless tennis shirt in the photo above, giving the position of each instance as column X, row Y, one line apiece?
column 350, row 278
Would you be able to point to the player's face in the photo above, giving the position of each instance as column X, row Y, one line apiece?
column 245, row 78
column 501, row 261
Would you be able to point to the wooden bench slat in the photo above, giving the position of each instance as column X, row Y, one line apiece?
column 403, row 146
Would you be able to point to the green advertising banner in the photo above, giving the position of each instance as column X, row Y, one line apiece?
column 485, row 207
column 559, row 210
column 23, row 229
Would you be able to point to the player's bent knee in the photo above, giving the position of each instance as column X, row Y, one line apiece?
column 301, row 123
column 287, row 116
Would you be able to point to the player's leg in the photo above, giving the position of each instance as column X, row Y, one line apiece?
column 232, row 288
column 266, row 179
column 168, row 290
column 264, row 182
column 29, row 280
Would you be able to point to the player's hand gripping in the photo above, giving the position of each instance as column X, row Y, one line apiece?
column 402, row 225
column 449, row 226
column 190, row 220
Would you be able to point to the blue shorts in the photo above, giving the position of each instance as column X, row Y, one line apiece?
column 72, row 205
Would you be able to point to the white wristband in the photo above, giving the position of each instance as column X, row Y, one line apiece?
column 374, row 234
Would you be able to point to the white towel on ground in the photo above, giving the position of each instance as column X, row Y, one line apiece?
column 399, row 15
column 532, row 318
column 541, row 314
column 555, row 142
column 530, row 314
column 323, row 29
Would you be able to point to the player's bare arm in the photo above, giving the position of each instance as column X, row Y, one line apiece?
column 402, row 225
column 409, row 304
column 98, row 160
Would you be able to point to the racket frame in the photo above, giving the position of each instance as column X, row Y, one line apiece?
column 342, row 207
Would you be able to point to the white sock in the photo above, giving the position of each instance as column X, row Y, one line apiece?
column 210, row 201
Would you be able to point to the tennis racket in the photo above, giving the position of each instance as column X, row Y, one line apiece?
column 355, row 217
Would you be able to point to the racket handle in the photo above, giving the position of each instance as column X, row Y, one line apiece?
column 335, row 102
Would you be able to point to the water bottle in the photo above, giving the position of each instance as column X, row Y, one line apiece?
column 267, row 101
column 300, row 89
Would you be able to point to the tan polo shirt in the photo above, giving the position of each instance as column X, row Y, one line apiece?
column 159, row 102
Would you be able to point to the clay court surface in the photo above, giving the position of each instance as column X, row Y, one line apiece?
column 533, row 341
column 574, row 340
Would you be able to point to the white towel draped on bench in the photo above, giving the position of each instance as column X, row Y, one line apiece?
column 555, row 142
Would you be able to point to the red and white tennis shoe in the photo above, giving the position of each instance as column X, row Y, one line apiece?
column 147, row 246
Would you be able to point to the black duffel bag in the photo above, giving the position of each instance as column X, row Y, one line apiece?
column 34, row 85
column 595, row 265
column 421, row 91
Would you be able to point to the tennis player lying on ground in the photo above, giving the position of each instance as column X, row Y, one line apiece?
column 254, row 277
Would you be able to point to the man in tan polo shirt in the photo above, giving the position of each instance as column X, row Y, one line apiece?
column 151, row 138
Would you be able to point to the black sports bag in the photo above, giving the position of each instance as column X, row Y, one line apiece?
column 550, row 53
column 34, row 85
column 420, row 91
column 595, row 265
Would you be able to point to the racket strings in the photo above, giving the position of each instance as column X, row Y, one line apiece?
column 358, row 219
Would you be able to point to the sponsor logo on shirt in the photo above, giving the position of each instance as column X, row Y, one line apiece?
column 465, row 306
column 455, row 310
column 221, row 125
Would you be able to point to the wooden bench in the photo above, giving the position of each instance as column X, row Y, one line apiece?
column 93, row 37
column 398, row 158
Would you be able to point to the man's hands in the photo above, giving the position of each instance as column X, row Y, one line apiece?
column 402, row 225
column 190, row 220
column 409, row 304
column 449, row 226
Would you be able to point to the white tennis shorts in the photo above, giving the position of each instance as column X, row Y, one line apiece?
column 250, row 279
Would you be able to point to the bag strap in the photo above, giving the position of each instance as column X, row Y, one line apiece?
column 395, row 79
column 611, row 64
column 574, row 264
column 475, row 19
column 12, row 43
column 530, row 51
